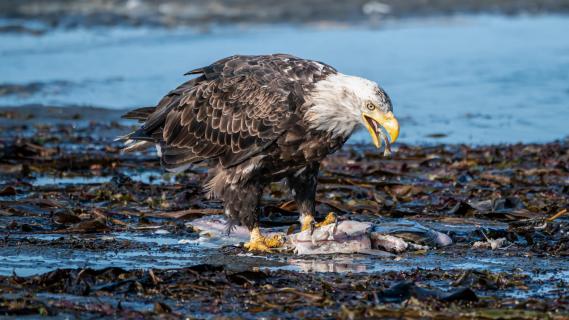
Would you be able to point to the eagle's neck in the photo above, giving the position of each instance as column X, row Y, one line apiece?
column 334, row 104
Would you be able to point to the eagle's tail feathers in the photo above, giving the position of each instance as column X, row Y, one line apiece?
column 136, row 145
column 136, row 140
column 140, row 114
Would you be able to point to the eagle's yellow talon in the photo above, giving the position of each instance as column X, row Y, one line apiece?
column 330, row 219
column 308, row 222
column 258, row 242
column 274, row 241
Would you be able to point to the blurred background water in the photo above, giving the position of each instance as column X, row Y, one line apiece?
column 475, row 79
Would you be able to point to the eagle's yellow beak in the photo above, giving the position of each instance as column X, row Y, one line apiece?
column 375, row 120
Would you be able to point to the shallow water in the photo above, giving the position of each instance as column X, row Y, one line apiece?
column 479, row 79
column 166, row 252
column 149, row 177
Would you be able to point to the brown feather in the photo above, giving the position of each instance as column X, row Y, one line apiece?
column 233, row 110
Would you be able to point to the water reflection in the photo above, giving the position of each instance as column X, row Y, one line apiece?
column 328, row 265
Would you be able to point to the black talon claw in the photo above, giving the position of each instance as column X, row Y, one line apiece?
column 312, row 227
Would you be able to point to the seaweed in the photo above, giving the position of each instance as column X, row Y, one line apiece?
column 86, row 231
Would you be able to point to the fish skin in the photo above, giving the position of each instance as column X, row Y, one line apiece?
column 343, row 237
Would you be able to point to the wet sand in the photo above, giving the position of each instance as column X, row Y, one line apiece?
column 86, row 231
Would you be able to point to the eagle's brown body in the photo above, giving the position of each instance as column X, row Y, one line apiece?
column 247, row 115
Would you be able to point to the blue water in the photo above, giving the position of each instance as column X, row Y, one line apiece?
column 474, row 79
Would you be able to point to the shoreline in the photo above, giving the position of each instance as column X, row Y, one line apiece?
column 172, row 13
column 33, row 115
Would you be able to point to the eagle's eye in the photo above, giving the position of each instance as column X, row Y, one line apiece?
column 370, row 106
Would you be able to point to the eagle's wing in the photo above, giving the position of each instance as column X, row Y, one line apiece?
column 236, row 108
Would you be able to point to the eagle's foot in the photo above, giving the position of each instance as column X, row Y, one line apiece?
column 308, row 222
column 330, row 219
column 259, row 242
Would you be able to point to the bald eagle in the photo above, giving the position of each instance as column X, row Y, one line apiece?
column 262, row 119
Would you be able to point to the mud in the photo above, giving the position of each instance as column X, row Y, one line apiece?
column 86, row 231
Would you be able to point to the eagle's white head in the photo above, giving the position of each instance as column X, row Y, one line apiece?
column 339, row 103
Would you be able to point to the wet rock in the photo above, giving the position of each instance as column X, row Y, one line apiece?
column 8, row 191
column 161, row 307
column 90, row 226
column 65, row 217
column 9, row 169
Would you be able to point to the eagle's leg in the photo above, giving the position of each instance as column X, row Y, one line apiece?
column 303, row 186
column 242, row 206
